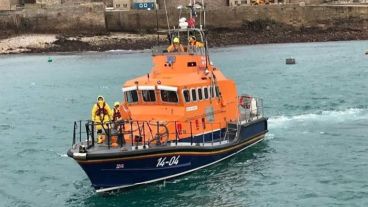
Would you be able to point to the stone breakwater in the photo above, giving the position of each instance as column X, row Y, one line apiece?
column 44, row 43
column 93, row 29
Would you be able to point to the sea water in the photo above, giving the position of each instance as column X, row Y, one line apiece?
column 315, row 154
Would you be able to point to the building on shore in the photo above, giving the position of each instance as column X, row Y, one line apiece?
column 135, row 4
column 7, row 5
column 265, row 2
column 210, row 4
column 122, row 4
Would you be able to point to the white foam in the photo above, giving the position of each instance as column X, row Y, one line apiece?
column 269, row 136
column 323, row 116
column 62, row 155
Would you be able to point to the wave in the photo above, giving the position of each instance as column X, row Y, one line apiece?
column 322, row 116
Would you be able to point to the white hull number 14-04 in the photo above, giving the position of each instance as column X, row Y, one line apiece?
column 164, row 161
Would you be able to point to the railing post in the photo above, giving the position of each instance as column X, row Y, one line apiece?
column 212, row 132
column 140, row 135
column 144, row 136
column 131, row 132
column 220, row 132
column 75, row 126
column 121, row 133
column 80, row 130
column 191, row 134
column 87, row 133
column 158, row 133
column 93, row 133
column 176, row 134
column 108, row 135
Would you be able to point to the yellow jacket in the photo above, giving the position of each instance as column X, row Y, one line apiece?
column 197, row 44
column 175, row 48
column 101, row 112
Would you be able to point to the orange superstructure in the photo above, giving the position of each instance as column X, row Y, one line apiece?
column 184, row 90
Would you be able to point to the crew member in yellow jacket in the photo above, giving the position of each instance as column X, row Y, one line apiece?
column 101, row 114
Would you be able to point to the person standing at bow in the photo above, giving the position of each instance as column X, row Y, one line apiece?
column 176, row 46
column 101, row 114
column 193, row 42
column 116, row 114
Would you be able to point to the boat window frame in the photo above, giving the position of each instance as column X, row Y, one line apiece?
column 191, row 94
column 168, row 102
column 208, row 94
column 199, row 89
column 154, row 93
column 212, row 93
column 126, row 97
column 217, row 91
column 185, row 100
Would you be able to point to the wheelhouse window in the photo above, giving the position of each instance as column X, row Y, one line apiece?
column 169, row 96
column 217, row 91
column 205, row 92
column 148, row 95
column 194, row 95
column 186, row 95
column 131, row 96
column 200, row 95
column 212, row 92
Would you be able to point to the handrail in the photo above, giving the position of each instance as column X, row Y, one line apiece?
column 189, row 49
column 142, row 135
column 250, row 108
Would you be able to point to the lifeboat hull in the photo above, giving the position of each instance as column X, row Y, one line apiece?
column 112, row 172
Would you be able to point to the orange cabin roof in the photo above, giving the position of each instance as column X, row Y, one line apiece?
column 187, row 70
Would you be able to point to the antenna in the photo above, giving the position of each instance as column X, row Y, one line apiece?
column 158, row 36
column 204, row 14
column 167, row 18
column 180, row 7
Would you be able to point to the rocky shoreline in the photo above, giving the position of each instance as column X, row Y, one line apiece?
column 252, row 34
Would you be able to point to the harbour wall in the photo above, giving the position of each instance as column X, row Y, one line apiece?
column 81, row 19
column 92, row 18
column 295, row 16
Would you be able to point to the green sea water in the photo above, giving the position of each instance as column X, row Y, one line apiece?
column 315, row 154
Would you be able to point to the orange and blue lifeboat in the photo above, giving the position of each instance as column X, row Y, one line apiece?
column 182, row 116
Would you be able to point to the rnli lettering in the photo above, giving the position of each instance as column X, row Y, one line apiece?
column 164, row 161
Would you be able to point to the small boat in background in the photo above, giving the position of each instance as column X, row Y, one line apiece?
column 182, row 116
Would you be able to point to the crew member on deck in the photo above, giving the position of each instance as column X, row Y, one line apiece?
column 116, row 115
column 175, row 46
column 193, row 42
column 101, row 114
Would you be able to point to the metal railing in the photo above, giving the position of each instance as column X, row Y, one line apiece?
column 188, row 49
column 250, row 108
column 147, row 134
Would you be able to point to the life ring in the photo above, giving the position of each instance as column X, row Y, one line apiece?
column 244, row 101
column 241, row 101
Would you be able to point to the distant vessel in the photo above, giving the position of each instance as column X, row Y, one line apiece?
column 183, row 116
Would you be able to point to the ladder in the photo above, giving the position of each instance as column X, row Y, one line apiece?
column 231, row 132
